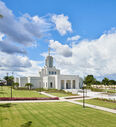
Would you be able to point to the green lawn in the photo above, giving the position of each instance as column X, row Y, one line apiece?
column 6, row 92
column 61, row 94
column 54, row 114
column 100, row 103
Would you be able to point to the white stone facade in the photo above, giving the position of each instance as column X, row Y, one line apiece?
column 50, row 78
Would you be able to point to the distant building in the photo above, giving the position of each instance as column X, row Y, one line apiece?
column 50, row 77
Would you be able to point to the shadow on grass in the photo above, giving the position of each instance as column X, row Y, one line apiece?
column 4, row 119
column 7, row 105
column 27, row 124
column 3, row 93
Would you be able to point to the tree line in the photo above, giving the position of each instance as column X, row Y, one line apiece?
column 91, row 80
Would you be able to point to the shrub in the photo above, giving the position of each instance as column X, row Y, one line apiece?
column 21, row 88
column 96, row 89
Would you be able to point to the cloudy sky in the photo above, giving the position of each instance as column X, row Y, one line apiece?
column 81, row 35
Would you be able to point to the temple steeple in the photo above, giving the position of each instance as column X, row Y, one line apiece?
column 49, row 60
column 48, row 51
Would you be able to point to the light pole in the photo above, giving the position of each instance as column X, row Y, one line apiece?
column 11, row 85
column 40, row 88
column 83, row 98
column 7, row 78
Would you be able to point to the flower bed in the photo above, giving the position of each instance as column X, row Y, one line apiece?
column 27, row 98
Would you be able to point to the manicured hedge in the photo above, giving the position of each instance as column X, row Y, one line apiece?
column 27, row 98
column 105, row 99
column 96, row 89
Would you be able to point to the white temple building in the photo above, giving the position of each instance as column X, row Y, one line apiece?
column 50, row 78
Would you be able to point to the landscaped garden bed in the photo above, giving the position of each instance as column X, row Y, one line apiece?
column 27, row 98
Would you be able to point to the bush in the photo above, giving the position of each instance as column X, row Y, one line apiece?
column 96, row 89
column 21, row 88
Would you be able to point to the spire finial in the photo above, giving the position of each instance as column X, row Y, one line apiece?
column 48, row 51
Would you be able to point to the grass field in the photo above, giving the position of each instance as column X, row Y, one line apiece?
column 61, row 94
column 54, row 114
column 6, row 92
column 100, row 103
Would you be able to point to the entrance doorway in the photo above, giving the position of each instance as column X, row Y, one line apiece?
column 51, row 85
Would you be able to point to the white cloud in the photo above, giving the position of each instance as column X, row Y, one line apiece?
column 74, row 38
column 24, row 30
column 62, row 24
column 64, row 50
column 1, row 36
column 97, row 57
column 20, row 65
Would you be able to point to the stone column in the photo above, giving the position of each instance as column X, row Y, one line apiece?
column 71, row 84
column 64, row 84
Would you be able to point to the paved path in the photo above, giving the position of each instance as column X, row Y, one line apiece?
column 98, row 95
column 49, row 95
column 62, row 100
column 93, row 106
column 88, row 105
column 31, row 101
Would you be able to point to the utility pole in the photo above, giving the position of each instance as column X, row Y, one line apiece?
column 83, row 98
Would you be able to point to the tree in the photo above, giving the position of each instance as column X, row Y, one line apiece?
column 105, row 81
column 112, row 82
column 9, row 80
column 97, row 82
column 89, row 80
column 15, row 84
column 29, row 85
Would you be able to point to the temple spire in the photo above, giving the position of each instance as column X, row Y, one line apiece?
column 49, row 59
column 48, row 51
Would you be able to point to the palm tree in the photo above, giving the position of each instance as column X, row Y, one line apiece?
column 29, row 85
column 9, row 79
column 15, row 84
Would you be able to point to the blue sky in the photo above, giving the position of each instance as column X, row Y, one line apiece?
column 89, row 19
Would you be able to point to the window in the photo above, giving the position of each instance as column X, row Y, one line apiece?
column 55, row 72
column 52, row 72
column 49, row 72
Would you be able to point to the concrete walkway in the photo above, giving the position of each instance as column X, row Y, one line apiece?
column 31, row 101
column 49, row 95
column 94, row 106
column 63, row 100
column 88, row 105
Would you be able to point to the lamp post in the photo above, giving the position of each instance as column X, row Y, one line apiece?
column 7, row 78
column 83, row 98
column 11, row 85
column 40, row 88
